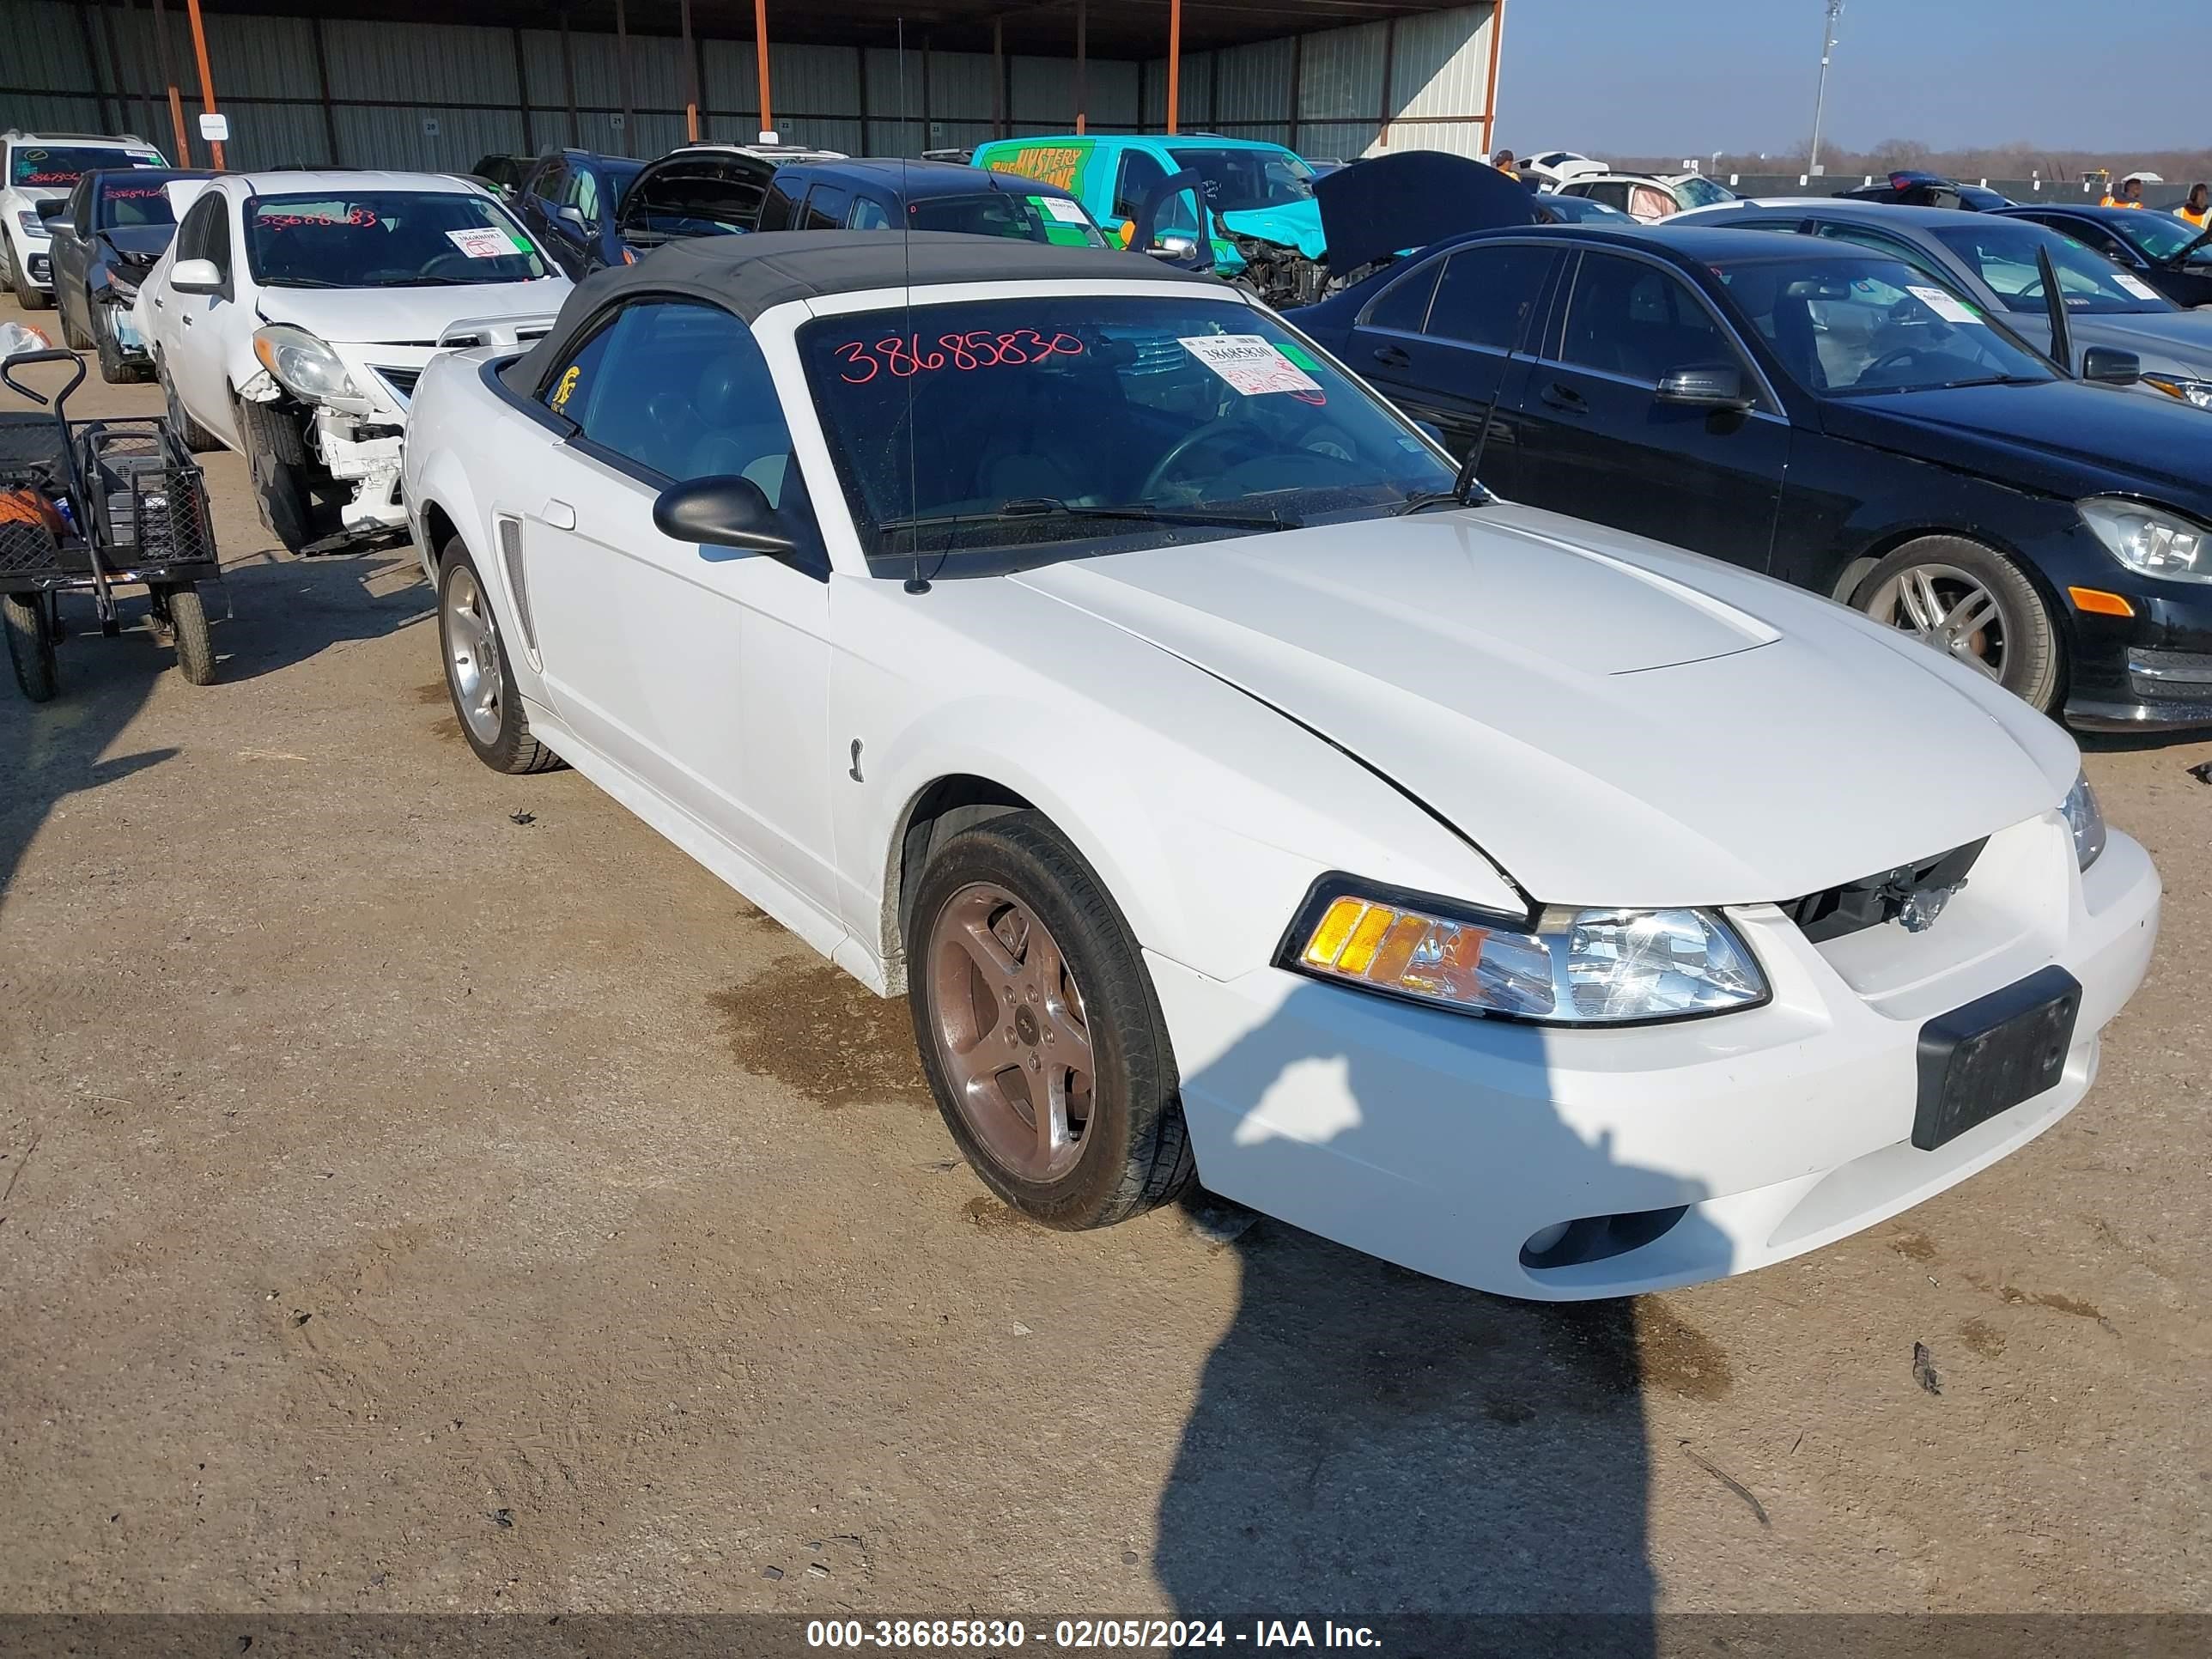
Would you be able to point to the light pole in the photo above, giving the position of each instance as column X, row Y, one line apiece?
column 1820, row 98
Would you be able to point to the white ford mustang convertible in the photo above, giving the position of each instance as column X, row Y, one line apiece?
column 1236, row 790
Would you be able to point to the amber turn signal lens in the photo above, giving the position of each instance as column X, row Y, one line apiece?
column 2098, row 603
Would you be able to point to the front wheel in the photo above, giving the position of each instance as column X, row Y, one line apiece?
column 477, row 675
column 1974, row 605
column 30, row 298
column 277, row 461
column 30, row 645
column 1040, row 1033
column 114, row 368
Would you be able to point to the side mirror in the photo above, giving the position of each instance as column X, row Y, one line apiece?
column 1719, row 386
column 196, row 277
column 722, row 512
column 2108, row 366
column 54, row 209
column 572, row 215
column 1433, row 433
column 1173, row 248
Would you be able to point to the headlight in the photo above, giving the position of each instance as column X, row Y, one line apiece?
column 32, row 225
column 302, row 364
column 2085, row 819
column 2150, row 538
column 2198, row 392
column 1575, row 968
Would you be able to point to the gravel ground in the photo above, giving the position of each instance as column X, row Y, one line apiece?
column 428, row 1190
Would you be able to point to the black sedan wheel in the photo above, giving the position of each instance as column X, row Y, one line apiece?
column 1975, row 606
column 1039, row 1031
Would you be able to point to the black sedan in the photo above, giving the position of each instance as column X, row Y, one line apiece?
column 1827, row 415
column 107, row 234
column 2171, row 254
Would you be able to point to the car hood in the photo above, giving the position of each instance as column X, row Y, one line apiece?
column 140, row 244
column 2163, row 339
column 405, row 316
column 1611, row 721
column 1296, row 225
column 1412, row 199
column 2062, row 438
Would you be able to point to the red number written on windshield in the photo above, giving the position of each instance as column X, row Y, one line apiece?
column 978, row 349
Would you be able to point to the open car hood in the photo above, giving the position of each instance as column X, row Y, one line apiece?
column 1296, row 225
column 1411, row 199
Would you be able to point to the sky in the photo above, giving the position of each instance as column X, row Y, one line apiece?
column 1645, row 76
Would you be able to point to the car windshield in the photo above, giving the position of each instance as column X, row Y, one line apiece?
column 1850, row 327
column 1238, row 180
column 1003, row 213
column 2160, row 235
column 41, row 166
column 2002, row 253
column 1086, row 423
column 386, row 238
column 1702, row 193
column 128, row 201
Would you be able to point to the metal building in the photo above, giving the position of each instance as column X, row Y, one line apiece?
column 438, row 83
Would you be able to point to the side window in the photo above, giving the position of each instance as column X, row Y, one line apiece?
column 1649, row 202
column 218, row 235
column 79, row 209
column 582, row 193
column 1888, row 246
column 868, row 214
column 1486, row 294
column 1614, row 193
column 777, row 211
column 568, row 389
column 1404, row 305
column 551, row 184
column 683, row 391
column 192, row 235
column 1638, row 321
column 825, row 208
column 1139, row 173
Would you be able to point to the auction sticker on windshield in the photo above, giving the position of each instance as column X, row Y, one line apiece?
column 1948, row 306
column 1060, row 207
column 483, row 242
column 2134, row 285
column 1250, row 363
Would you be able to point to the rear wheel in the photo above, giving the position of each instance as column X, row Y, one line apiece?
column 1974, row 605
column 195, row 643
column 196, row 438
column 30, row 645
column 1039, row 1030
column 478, row 675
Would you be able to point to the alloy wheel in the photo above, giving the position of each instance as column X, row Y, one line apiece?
column 472, row 654
column 1010, row 1032
column 1949, row 609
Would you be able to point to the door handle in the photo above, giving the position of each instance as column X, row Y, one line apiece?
column 559, row 515
column 1392, row 356
column 158, row 306
column 1566, row 397
column 188, row 319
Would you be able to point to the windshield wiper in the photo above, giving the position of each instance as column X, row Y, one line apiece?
column 298, row 282
column 1041, row 507
column 1429, row 498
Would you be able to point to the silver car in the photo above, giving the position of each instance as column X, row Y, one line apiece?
column 1991, row 260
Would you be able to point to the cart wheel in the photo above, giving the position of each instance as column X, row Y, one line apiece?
column 30, row 645
column 196, row 438
column 194, row 645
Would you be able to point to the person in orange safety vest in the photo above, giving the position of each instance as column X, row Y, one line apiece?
column 2198, row 210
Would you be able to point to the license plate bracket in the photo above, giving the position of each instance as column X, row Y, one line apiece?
column 1991, row 1054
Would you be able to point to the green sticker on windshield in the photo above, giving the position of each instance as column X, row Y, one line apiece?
column 1298, row 355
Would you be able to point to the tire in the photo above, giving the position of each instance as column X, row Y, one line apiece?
column 30, row 647
column 195, row 644
column 196, row 438
column 1948, row 580
column 1131, row 1149
column 72, row 337
column 469, row 643
column 29, row 298
column 277, row 458
column 113, row 368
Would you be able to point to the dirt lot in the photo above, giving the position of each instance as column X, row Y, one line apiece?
column 428, row 1190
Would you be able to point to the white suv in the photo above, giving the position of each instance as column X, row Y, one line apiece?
column 293, row 311
column 45, row 168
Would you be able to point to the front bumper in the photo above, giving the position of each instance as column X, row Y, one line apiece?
column 2152, row 670
column 1445, row 1142
column 38, row 267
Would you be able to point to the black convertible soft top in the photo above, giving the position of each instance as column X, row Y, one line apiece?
column 749, row 274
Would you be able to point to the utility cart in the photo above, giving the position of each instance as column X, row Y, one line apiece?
column 90, row 507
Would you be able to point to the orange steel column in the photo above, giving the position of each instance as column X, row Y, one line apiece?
column 760, row 51
column 1175, row 59
column 690, row 78
column 206, row 79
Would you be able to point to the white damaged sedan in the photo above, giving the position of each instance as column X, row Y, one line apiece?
column 1234, row 792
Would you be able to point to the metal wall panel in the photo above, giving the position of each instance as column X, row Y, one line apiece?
column 1341, row 74
column 438, row 63
column 261, row 57
column 44, row 50
column 1256, row 86
column 401, row 138
column 1442, row 64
